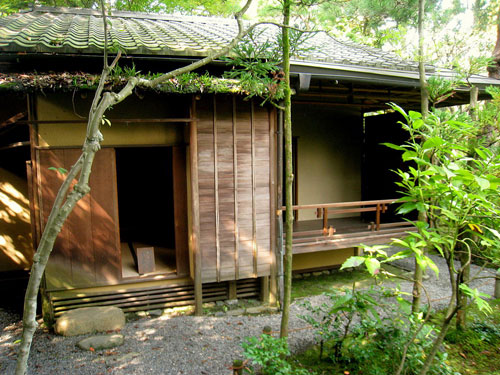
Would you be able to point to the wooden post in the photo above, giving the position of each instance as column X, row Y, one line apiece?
column 216, row 192
column 377, row 217
column 195, row 212
column 325, row 221
column 264, row 289
column 235, row 182
column 273, row 286
column 255, row 248
column 279, row 212
column 233, row 292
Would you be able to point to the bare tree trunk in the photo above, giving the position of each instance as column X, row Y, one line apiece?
column 424, row 105
column 494, row 68
column 424, row 95
column 463, row 278
column 64, row 202
column 288, row 172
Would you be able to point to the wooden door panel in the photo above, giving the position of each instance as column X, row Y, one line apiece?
column 86, row 252
column 180, row 209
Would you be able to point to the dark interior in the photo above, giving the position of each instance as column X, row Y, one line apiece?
column 145, row 195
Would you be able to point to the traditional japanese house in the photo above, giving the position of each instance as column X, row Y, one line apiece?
column 186, row 196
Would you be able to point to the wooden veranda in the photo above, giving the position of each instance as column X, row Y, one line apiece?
column 334, row 230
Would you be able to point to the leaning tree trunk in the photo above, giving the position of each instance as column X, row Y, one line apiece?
column 288, row 172
column 64, row 202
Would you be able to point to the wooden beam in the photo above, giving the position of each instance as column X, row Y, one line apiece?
column 216, row 191
column 235, row 182
column 273, row 287
column 342, row 204
column 116, row 120
column 15, row 145
column 255, row 250
column 195, row 212
column 13, row 120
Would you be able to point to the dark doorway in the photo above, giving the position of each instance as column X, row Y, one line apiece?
column 146, row 207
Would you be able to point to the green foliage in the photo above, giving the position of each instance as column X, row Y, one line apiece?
column 474, row 350
column 375, row 348
column 191, row 7
column 366, row 331
column 270, row 355
column 332, row 320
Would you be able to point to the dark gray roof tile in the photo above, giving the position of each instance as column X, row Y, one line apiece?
column 71, row 30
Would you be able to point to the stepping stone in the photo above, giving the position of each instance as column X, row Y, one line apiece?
column 89, row 320
column 101, row 342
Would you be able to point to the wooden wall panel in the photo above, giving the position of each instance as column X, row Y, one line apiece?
column 234, row 188
column 206, row 184
column 104, row 209
column 180, row 209
column 87, row 251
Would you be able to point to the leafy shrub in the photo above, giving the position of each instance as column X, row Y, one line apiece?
column 366, row 332
column 270, row 354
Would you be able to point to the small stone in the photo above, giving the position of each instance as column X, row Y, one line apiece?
column 89, row 320
column 156, row 313
column 231, row 302
column 306, row 274
column 219, row 303
column 256, row 310
column 235, row 312
column 209, row 305
column 297, row 276
column 326, row 272
column 101, row 342
column 220, row 314
column 273, row 309
column 317, row 273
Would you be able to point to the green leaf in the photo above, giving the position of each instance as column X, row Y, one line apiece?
column 481, row 153
column 393, row 146
column 407, row 207
column 60, row 170
column 354, row 261
column 372, row 265
column 409, row 155
column 482, row 182
column 432, row 142
column 417, row 124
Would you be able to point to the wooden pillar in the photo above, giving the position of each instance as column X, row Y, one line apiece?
column 325, row 221
column 232, row 290
column 264, row 289
column 195, row 211
column 273, row 287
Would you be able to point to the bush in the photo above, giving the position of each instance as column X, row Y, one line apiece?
column 270, row 354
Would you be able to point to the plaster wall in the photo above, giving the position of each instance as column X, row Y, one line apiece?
column 64, row 106
column 329, row 154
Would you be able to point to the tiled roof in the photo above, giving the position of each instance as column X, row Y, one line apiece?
column 71, row 30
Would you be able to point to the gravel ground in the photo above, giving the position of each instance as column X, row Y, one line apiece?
column 175, row 345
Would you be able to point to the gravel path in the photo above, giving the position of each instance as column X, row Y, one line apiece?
column 173, row 345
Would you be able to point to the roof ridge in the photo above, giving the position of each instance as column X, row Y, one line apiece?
column 128, row 14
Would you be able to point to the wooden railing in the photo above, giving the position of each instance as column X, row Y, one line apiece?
column 327, row 238
column 325, row 209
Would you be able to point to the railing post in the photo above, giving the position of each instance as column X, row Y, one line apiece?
column 377, row 217
column 325, row 221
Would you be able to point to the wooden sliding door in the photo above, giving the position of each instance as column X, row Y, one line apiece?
column 86, row 252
